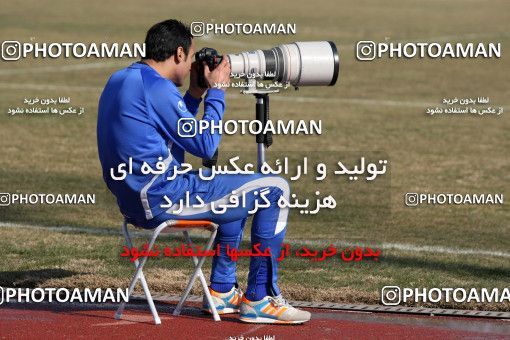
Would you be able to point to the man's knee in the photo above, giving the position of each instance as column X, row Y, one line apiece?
column 230, row 231
column 279, row 184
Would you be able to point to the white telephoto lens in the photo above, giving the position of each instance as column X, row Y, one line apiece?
column 310, row 63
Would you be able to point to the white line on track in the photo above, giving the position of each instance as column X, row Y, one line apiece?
column 319, row 243
column 232, row 42
column 62, row 68
column 351, row 46
column 292, row 99
column 22, row 86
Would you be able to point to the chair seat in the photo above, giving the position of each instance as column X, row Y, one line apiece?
column 190, row 224
column 184, row 224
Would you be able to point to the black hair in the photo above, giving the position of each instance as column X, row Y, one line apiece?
column 165, row 37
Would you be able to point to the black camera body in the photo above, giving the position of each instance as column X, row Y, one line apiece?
column 211, row 58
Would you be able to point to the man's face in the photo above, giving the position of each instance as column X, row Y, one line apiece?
column 184, row 66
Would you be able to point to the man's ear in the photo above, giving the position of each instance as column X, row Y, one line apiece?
column 180, row 56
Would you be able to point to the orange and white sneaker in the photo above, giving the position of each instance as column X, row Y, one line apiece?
column 272, row 309
column 225, row 303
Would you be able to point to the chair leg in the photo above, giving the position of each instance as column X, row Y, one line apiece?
column 198, row 272
column 139, row 275
column 208, row 296
column 120, row 309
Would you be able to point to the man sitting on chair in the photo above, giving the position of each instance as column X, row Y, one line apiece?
column 139, row 111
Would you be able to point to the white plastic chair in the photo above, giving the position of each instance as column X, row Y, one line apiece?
column 174, row 226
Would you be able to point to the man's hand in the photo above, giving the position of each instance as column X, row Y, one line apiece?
column 220, row 76
column 195, row 90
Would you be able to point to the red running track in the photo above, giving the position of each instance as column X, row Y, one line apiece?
column 58, row 321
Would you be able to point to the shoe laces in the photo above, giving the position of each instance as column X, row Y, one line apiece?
column 239, row 291
column 278, row 301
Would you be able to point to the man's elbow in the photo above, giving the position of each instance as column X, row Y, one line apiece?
column 210, row 151
column 211, row 144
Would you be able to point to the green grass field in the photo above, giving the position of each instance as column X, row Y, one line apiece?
column 376, row 108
